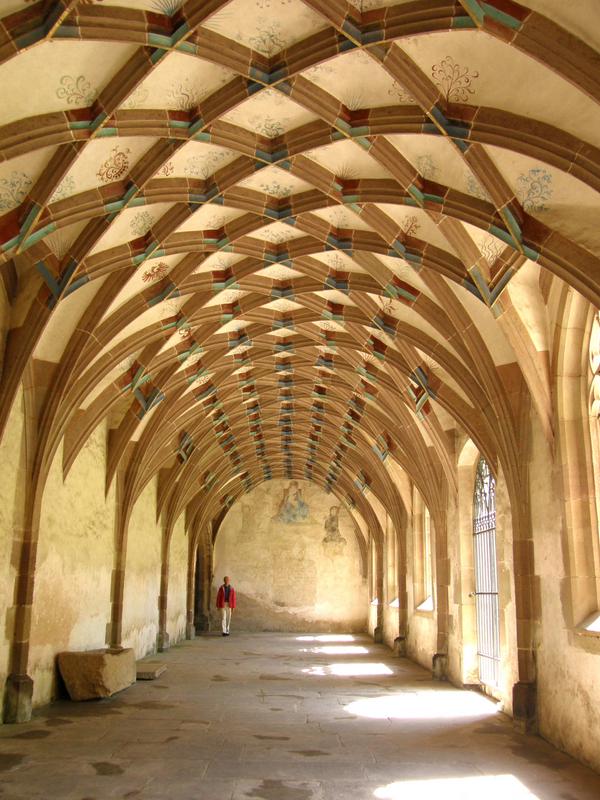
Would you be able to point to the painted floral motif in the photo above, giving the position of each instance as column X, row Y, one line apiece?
column 156, row 272
column 336, row 261
column 171, row 307
column 183, row 96
column 268, row 39
column 115, row 166
column 362, row 57
column 141, row 223
column 387, row 305
column 400, row 93
column 202, row 166
column 475, row 189
column 329, row 326
column 136, row 98
column 65, row 188
column 272, row 3
column 215, row 222
column 491, row 249
column 276, row 189
column 275, row 237
column 534, row 189
column 166, row 169
column 267, row 126
column 185, row 331
column 426, row 167
column 410, row 225
column 454, row 80
column 76, row 90
column 13, row 190
column 319, row 69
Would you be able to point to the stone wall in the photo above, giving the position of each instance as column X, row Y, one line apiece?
column 272, row 546
column 176, row 603
column 11, row 504
column 568, row 662
column 142, row 575
column 75, row 558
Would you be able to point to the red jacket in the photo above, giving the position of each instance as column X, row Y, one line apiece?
column 221, row 597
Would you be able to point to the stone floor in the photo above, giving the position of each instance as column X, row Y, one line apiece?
column 284, row 717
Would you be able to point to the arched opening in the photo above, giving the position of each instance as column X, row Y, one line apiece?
column 486, row 575
column 292, row 553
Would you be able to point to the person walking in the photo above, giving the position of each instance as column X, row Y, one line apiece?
column 226, row 602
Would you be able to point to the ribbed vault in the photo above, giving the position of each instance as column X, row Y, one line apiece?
column 291, row 238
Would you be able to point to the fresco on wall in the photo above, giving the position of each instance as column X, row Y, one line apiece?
column 293, row 555
column 332, row 527
column 292, row 507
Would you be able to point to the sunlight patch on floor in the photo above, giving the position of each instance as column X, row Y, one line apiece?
column 349, row 670
column 437, row 704
column 328, row 637
column 490, row 787
column 340, row 650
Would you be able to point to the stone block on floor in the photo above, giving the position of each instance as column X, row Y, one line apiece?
column 149, row 670
column 97, row 673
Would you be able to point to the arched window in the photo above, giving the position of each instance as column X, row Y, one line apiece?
column 486, row 575
column 423, row 568
column 595, row 367
column 595, row 407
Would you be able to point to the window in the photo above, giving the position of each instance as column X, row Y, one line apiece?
column 486, row 575
column 592, row 623
column 595, row 407
column 391, row 563
column 423, row 564
column 427, row 577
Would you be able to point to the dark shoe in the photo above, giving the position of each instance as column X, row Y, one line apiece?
column 224, row 634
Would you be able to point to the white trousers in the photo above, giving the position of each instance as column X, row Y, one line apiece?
column 225, row 619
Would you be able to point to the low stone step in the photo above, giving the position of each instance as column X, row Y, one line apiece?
column 149, row 670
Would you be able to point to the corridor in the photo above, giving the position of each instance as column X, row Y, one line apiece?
column 284, row 717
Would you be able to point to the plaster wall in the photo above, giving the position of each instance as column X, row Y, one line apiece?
column 421, row 635
column 286, row 577
column 421, row 639
column 568, row 667
column 71, row 604
column 142, row 575
column 12, row 455
column 462, row 650
column 506, row 590
column 390, row 584
column 176, row 597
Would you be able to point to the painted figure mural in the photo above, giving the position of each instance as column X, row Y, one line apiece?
column 331, row 525
column 292, row 508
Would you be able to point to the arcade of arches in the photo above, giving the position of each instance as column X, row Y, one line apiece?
column 304, row 291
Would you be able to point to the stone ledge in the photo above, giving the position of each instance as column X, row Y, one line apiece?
column 91, row 674
column 149, row 670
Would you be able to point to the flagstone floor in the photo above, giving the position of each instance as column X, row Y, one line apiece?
column 284, row 717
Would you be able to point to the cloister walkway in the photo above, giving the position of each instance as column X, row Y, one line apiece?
column 284, row 717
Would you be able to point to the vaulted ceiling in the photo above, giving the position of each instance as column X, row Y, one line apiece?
column 292, row 238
